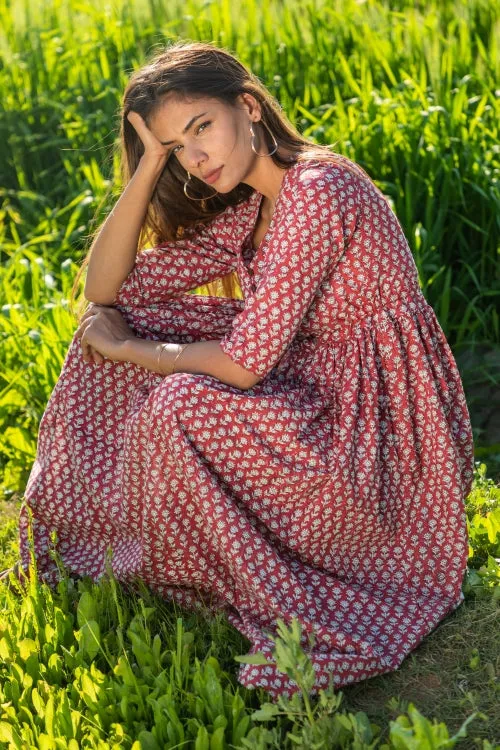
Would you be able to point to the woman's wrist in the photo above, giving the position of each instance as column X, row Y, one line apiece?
column 151, row 163
column 170, row 348
column 156, row 356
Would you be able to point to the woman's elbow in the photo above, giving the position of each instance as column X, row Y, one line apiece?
column 98, row 299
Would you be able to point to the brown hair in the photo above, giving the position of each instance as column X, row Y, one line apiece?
column 191, row 70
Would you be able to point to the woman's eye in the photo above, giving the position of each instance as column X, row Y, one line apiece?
column 207, row 122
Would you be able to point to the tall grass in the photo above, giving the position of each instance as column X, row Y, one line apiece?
column 409, row 90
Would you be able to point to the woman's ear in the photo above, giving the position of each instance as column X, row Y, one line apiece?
column 250, row 103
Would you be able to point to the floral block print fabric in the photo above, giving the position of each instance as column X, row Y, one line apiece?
column 333, row 490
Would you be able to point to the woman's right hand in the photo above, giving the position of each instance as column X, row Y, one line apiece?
column 89, row 354
column 152, row 146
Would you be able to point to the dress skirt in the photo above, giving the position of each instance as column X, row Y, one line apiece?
column 244, row 501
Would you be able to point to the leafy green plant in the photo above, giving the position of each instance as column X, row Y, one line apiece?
column 483, row 518
column 415, row 732
column 483, row 525
column 324, row 725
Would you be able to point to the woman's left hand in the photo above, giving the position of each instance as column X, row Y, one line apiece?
column 104, row 329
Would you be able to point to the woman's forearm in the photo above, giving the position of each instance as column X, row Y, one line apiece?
column 202, row 357
column 114, row 250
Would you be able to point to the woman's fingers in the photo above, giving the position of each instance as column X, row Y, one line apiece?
column 86, row 355
column 90, row 354
column 107, row 328
column 82, row 328
column 91, row 310
column 98, row 358
column 151, row 143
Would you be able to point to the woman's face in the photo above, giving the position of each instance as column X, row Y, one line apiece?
column 218, row 135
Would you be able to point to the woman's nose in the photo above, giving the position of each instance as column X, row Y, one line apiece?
column 196, row 159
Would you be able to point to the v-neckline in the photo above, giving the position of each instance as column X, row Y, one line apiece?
column 257, row 207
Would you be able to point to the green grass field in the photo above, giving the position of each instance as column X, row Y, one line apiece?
column 411, row 92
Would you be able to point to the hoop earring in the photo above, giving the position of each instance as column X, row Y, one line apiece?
column 197, row 199
column 253, row 141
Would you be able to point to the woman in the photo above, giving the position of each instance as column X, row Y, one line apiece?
column 305, row 451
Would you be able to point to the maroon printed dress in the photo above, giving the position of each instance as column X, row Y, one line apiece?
column 333, row 490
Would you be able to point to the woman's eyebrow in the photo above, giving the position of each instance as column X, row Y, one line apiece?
column 191, row 121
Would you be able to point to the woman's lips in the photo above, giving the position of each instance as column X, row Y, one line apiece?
column 214, row 176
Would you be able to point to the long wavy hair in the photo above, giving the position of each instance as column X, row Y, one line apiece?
column 191, row 70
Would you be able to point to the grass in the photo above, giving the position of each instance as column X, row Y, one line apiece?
column 453, row 672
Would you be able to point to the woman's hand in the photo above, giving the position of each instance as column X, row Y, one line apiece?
column 152, row 146
column 103, row 332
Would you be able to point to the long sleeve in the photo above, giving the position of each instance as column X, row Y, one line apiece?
column 315, row 217
column 181, row 265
